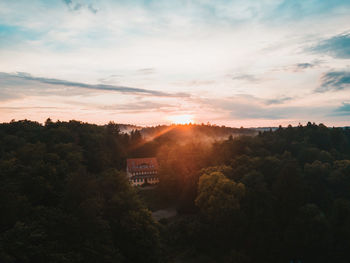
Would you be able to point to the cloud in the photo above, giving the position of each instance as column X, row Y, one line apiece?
column 114, row 78
column 141, row 106
column 92, row 8
column 127, row 74
column 246, row 77
column 72, row 6
column 297, row 10
column 146, row 71
column 30, row 108
column 280, row 100
column 246, row 107
column 337, row 46
column 334, row 81
column 304, row 65
column 68, row 2
column 343, row 110
column 22, row 79
column 301, row 67
column 196, row 82
column 249, row 107
column 78, row 6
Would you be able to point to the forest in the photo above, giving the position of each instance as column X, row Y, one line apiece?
column 241, row 196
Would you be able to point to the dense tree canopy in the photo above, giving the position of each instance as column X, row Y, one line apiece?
column 64, row 199
column 295, row 205
column 279, row 196
column 218, row 195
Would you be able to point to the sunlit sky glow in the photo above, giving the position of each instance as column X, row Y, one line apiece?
column 235, row 63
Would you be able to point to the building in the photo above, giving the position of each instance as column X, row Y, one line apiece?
column 142, row 170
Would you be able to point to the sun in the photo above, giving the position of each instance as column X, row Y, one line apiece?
column 181, row 119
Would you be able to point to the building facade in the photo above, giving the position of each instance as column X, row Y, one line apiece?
column 142, row 170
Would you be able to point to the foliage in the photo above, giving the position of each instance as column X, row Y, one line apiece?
column 278, row 196
column 218, row 195
column 64, row 199
column 295, row 204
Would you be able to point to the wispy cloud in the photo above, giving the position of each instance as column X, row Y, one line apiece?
column 304, row 65
column 12, row 78
column 30, row 108
column 334, row 81
column 141, row 106
column 249, row 107
column 343, row 110
column 279, row 100
column 146, row 71
column 92, row 8
column 245, row 77
column 337, row 46
column 75, row 6
column 301, row 66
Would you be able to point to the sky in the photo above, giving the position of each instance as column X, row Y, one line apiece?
column 235, row 63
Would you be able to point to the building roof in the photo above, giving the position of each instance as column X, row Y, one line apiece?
column 142, row 164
